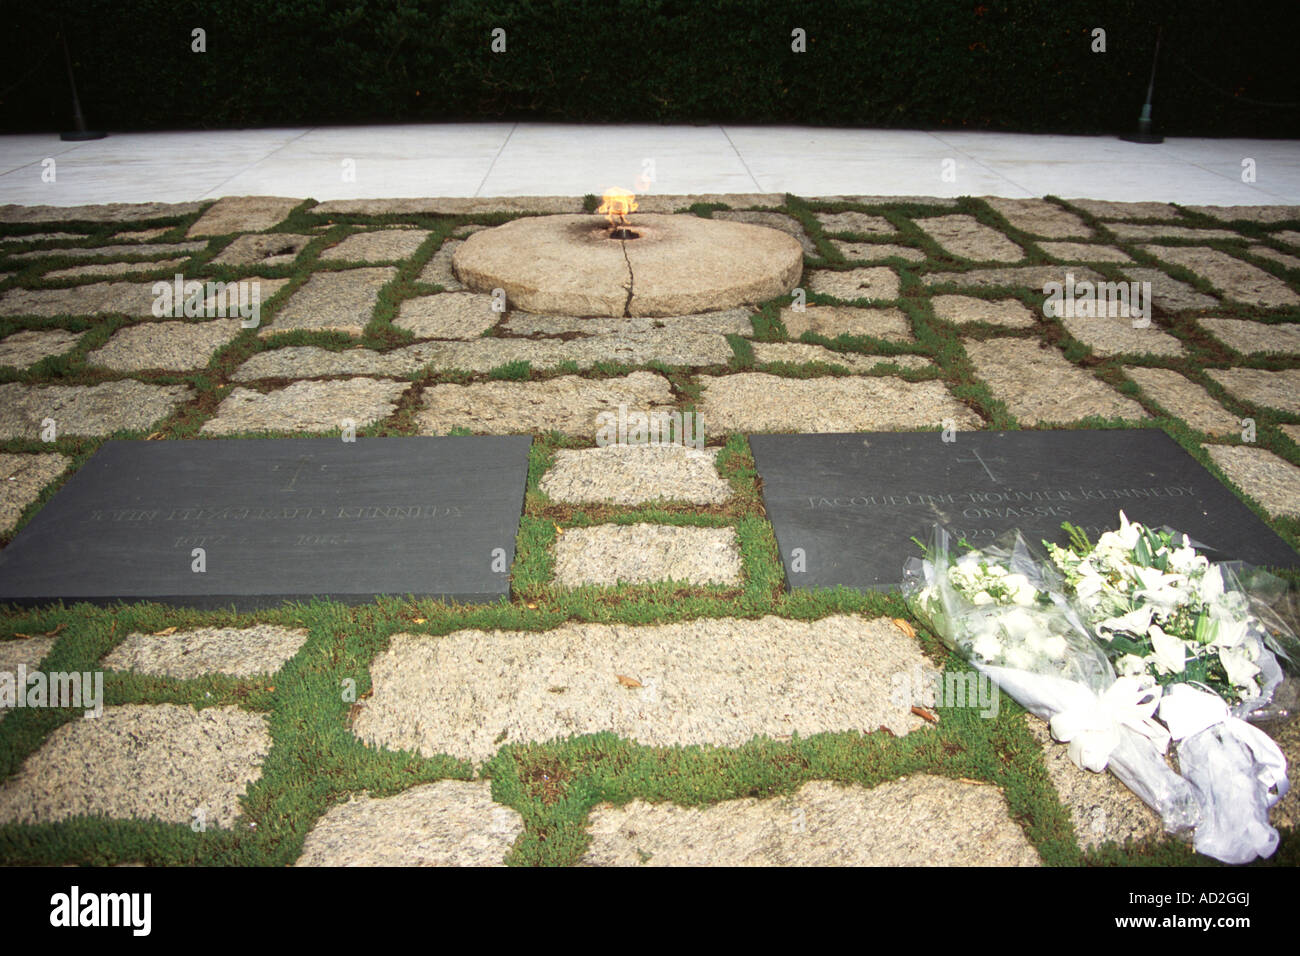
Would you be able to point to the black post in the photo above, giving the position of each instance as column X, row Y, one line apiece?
column 78, row 121
column 1144, row 132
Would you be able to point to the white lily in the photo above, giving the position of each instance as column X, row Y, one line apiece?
column 1241, row 669
column 1212, row 584
column 1185, row 560
column 1228, row 631
column 1135, row 621
column 1166, row 591
column 1170, row 654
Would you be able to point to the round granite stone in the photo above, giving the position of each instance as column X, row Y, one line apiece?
column 677, row 265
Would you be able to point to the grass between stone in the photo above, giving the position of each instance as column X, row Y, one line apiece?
column 315, row 761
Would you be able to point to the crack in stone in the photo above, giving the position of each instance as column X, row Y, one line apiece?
column 627, row 306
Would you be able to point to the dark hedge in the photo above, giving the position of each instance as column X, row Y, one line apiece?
column 1225, row 68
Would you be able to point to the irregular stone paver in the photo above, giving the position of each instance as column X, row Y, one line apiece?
column 855, row 222
column 265, row 288
column 1250, row 213
column 968, row 238
column 800, row 353
column 40, row 237
column 1234, row 278
column 705, row 681
column 1107, row 209
column 1168, row 293
column 1249, row 337
column 141, row 235
column 439, row 269
column 1114, row 335
column 757, row 401
column 892, row 200
column 1040, row 385
column 611, row 554
column 1264, row 252
column 773, row 220
column 342, row 301
column 448, row 315
column 1083, row 252
column 183, row 346
column 448, row 823
column 130, row 298
column 450, row 206
column 873, row 283
column 732, row 321
column 186, row 655
column 468, row 229
column 1289, row 236
column 85, row 409
column 1033, row 277
column 923, row 820
column 22, row 478
column 1259, row 386
column 113, row 269
column 308, row 361
column 1292, row 432
column 243, row 214
column 379, row 245
column 672, row 202
column 142, row 761
column 274, row 249
column 1186, row 399
column 27, row 348
column 835, row 320
column 1133, row 230
column 568, row 404
column 106, row 212
column 634, row 474
column 26, row 652
column 1102, row 809
column 307, row 406
column 691, row 349
column 1272, row 481
column 874, row 252
column 1040, row 218
column 109, row 252
column 964, row 309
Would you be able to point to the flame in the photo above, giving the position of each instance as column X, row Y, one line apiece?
column 617, row 202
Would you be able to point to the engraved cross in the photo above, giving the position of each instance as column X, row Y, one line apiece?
column 983, row 464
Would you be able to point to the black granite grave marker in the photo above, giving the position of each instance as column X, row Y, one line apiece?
column 276, row 519
column 850, row 504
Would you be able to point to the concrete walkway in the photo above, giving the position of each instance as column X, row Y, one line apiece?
column 535, row 159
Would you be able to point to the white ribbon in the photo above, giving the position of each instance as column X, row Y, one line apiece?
column 1186, row 710
column 1092, row 729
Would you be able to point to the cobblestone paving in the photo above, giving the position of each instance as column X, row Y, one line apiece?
column 916, row 316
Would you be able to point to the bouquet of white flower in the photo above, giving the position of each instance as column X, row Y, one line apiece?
column 1005, row 609
column 1162, row 609
column 1163, row 612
